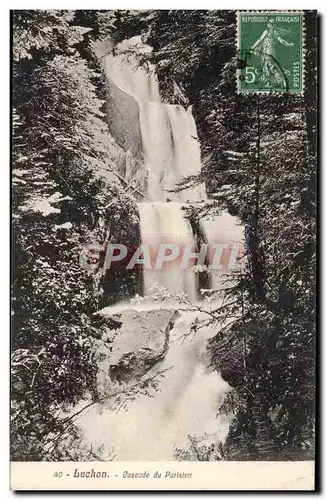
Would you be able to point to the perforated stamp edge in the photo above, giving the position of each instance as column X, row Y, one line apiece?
column 238, row 48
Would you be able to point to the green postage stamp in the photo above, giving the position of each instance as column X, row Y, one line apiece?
column 270, row 50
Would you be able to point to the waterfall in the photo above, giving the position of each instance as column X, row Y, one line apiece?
column 186, row 402
column 169, row 136
column 165, row 223
column 186, row 405
column 171, row 152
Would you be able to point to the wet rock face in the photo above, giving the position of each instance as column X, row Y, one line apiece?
column 141, row 342
column 136, row 346
column 123, row 116
column 123, row 111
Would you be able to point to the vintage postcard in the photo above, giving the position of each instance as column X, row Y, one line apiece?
column 163, row 249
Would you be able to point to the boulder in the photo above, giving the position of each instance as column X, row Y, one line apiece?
column 136, row 346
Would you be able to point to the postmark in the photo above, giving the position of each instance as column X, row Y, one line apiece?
column 270, row 50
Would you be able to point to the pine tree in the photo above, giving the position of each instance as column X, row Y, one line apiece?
column 65, row 194
column 258, row 164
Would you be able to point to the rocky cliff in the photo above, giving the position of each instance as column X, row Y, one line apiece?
column 130, row 344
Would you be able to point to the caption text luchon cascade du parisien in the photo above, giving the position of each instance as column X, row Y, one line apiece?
column 126, row 474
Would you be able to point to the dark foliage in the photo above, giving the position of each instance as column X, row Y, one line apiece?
column 258, row 164
column 64, row 196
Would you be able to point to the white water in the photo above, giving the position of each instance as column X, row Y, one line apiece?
column 187, row 404
column 171, row 152
column 165, row 223
column 169, row 136
column 190, row 393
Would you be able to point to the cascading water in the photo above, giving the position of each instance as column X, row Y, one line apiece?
column 171, row 153
column 169, row 136
column 186, row 405
column 190, row 394
column 165, row 223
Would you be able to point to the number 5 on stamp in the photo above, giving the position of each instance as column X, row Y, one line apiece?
column 270, row 51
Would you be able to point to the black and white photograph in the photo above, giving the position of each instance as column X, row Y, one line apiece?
column 163, row 239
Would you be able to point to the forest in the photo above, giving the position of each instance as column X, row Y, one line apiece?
column 259, row 160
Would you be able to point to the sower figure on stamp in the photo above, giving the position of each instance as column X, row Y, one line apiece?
column 265, row 46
